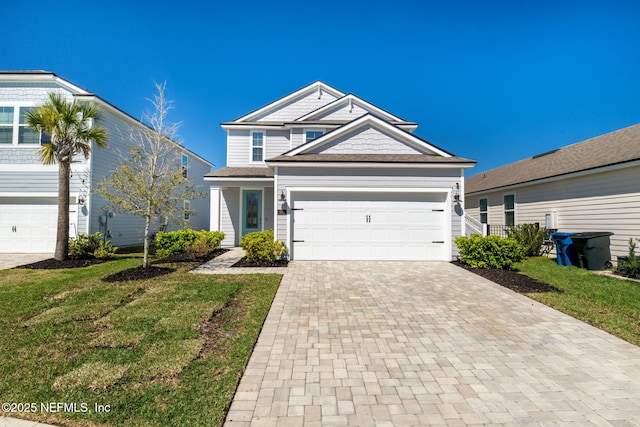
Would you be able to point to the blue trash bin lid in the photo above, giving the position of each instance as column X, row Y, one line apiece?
column 563, row 233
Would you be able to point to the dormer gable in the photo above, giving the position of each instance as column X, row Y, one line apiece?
column 350, row 107
column 292, row 106
column 368, row 134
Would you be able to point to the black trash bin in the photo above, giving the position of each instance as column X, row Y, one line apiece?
column 593, row 249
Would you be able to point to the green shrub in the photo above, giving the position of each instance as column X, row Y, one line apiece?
column 87, row 246
column 490, row 252
column 530, row 236
column 261, row 246
column 631, row 266
column 187, row 240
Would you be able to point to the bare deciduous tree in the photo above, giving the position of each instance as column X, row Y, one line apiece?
column 150, row 181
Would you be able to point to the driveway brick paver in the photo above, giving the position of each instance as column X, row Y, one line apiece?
column 415, row 343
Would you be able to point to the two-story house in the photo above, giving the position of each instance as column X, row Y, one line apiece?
column 338, row 178
column 29, row 189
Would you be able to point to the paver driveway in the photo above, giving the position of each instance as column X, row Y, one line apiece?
column 406, row 343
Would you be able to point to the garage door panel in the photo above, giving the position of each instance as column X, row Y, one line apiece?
column 369, row 226
column 28, row 225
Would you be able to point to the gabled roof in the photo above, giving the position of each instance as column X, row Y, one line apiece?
column 315, row 86
column 366, row 120
column 350, row 99
column 42, row 76
column 610, row 149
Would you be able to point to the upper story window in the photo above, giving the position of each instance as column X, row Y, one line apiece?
column 310, row 135
column 185, row 165
column 257, row 146
column 6, row 125
column 14, row 128
column 483, row 208
column 509, row 205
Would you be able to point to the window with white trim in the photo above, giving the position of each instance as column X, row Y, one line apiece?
column 6, row 125
column 483, row 209
column 509, row 206
column 310, row 135
column 185, row 165
column 257, row 146
column 186, row 206
column 15, row 130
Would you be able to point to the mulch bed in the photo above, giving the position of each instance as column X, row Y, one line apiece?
column 244, row 263
column 511, row 279
column 52, row 264
column 138, row 273
column 184, row 257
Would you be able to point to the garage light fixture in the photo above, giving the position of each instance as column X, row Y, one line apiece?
column 456, row 193
column 283, row 197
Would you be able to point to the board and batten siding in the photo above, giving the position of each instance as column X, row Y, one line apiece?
column 378, row 178
column 604, row 201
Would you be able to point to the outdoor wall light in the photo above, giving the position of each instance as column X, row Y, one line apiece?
column 456, row 193
column 81, row 200
column 283, row 197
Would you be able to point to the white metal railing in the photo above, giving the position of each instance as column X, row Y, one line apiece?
column 473, row 226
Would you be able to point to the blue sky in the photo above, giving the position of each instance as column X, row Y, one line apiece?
column 495, row 81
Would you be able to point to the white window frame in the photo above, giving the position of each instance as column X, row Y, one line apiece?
column 184, row 165
column 505, row 210
column 16, row 126
column 304, row 133
column 186, row 208
column 486, row 212
column 251, row 146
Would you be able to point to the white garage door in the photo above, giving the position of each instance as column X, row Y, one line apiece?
column 369, row 226
column 28, row 225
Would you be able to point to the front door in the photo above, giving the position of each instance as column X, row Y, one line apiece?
column 251, row 211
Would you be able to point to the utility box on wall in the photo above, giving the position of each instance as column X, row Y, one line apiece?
column 551, row 220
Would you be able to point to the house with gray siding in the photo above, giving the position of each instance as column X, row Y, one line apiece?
column 338, row 178
column 593, row 185
column 29, row 189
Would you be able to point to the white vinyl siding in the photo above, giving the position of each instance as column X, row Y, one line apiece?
column 605, row 201
column 344, row 111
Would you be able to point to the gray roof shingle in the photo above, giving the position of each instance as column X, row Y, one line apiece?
column 612, row 148
column 234, row 172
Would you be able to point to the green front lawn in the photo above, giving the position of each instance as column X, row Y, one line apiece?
column 130, row 353
column 608, row 303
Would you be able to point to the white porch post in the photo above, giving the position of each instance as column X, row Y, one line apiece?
column 214, row 215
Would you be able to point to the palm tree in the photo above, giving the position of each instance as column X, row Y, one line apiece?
column 69, row 126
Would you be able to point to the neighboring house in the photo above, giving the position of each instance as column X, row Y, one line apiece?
column 338, row 178
column 592, row 185
column 29, row 189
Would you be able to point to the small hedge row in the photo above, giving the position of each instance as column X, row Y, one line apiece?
column 490, row 252
column 261, row 246
column 187, row 241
